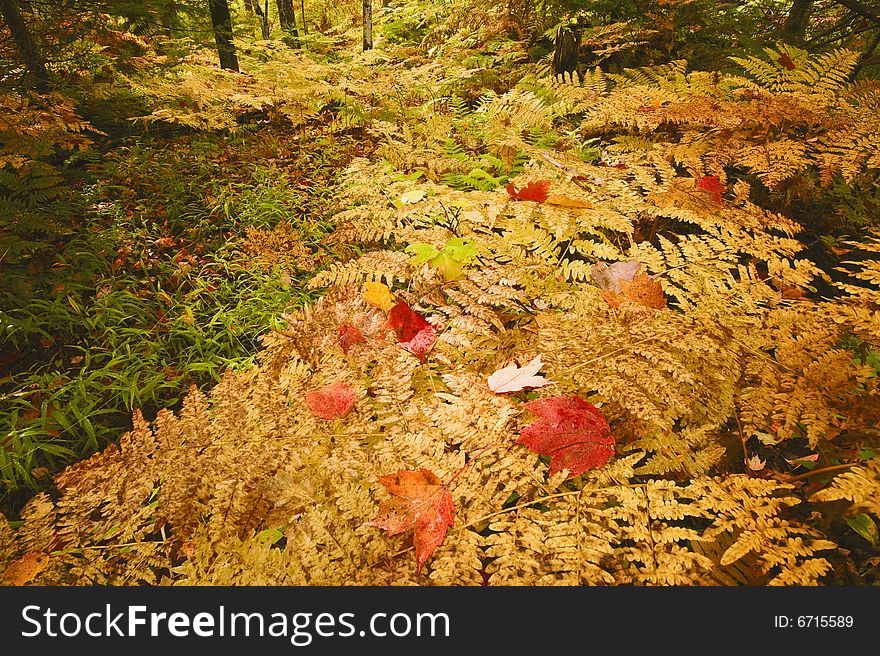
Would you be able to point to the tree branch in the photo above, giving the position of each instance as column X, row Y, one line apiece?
column 860, row 9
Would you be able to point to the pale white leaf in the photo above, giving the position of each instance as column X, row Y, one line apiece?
column 755, row 463
column 413, row 196
column 513, row 379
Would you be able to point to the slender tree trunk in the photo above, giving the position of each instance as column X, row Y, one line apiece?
column 798, row 18
column 287, row 18
column 302, row 12
column 285, row 13
column 221, row 20
column 30, row 56
column 263, row 16
column 368, row 24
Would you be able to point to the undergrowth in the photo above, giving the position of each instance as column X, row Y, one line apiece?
column 272, row 244
column 158, row 293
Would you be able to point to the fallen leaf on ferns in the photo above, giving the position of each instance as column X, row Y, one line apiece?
column 514, row 379
column 413, row 196
column 712, row 185
column 347, row 336
column 565, row 201
column 755, row 463
column 421, row 502
column 378, row 295
column 332, row 401
column 450, row 267
column 791, row 292
column 642, row 290
column 862, row 524
column 413, row 332
column 571, row 431
column 421, row 343
column 805, row 461
column 786, row 61
column 535, row 191
column 610, row 276
column 25, row 569
column 461, row 249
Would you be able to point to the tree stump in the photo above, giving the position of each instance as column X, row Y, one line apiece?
column 566, row 49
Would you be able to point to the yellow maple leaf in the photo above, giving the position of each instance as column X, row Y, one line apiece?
column 378, row 294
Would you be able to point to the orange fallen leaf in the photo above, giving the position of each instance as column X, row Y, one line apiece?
column 642, row 290
column 565, row 201
column 25, row 569
column 536, row 191
column 421, row 502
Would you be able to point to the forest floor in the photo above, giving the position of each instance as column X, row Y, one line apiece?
column 344, row 275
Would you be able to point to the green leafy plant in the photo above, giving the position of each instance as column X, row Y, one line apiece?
column 449, row 260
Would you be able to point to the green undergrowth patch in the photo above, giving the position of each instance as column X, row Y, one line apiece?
column 156, row 292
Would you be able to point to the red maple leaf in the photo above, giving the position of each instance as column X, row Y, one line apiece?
column 571, row 431
column 536, row 191
column 711, row 184
column 347, row 336
column 422, row 502
column 332, row 401
column 786, row 61
column 413, row 332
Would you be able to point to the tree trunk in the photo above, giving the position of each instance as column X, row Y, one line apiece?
column 221, row 20
column 302, row 12
column 263, row 16
column 368, row 24
column 566, row 50
column 287, row 18
column 285, row 14
column 30, row 56
column 798, row 18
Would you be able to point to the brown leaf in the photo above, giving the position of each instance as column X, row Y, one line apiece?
column 642, row 290
column 610, row 276
column 25, row 569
